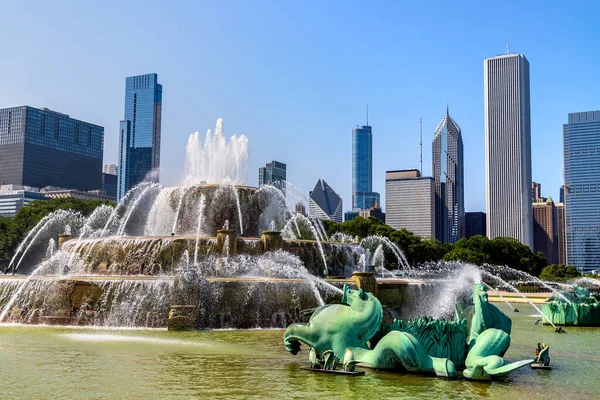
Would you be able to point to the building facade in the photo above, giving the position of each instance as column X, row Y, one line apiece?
column 139, row 131
column 40, row 147
column 536, row 193
column 581, row 141
column 545, row 230
column 273, row 173
column 561, row 237
column 15, row 197
column 410, row 202
column 363, row 196
column 325, row 203
column 448, row 173
column 475, row 224
column 300, row 209
column 374, row 211
column 58, row 193
column 508, row 148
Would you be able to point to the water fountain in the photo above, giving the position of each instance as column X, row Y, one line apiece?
column 206, row 254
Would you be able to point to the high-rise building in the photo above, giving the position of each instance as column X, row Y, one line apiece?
column 475, row 224
column 363, row 196
column 410, row 202
column 300, row 209
column 448, row 173
column 545, row 230
column 581, row 141
column 139, row 146
column 41, row 147
column 508, row 148
column 325, row 203
column 561, row 237
column 273, row 173
column 536, row 193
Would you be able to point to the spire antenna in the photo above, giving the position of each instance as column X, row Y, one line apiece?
column 421, row 144
column 507, row 52
column 367, row 114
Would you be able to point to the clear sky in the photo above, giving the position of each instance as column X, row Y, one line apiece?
column 294, row 76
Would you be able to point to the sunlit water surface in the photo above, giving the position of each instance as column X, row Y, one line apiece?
column 62, row 362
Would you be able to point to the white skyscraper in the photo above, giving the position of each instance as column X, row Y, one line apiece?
column 508, row 148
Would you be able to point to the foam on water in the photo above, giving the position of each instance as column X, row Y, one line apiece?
column 105, row 337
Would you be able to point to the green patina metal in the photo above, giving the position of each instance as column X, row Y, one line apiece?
column 354, row 332
column 573, row 309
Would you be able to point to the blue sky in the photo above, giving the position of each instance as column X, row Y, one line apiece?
column 294, row 76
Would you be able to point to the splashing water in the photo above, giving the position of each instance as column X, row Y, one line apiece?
column 216, row 159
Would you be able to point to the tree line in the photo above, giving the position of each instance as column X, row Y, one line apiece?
column 13, row 230
column 477, row 249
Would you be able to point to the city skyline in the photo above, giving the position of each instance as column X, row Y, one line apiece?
column 257, row 101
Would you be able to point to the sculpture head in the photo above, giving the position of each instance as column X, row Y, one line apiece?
column 479, row 292
column 352, row 296
column 366, row 312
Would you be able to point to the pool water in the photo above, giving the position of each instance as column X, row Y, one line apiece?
column 66, row 362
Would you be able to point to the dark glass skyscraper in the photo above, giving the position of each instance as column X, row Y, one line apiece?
column 41, row 147
column 363, row 196
column 447, row 167
column 273, row 173
column 139, row 146
column 581, row 141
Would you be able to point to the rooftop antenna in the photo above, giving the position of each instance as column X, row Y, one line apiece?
column 367, row 114
column 507, row 52
column 421, row 144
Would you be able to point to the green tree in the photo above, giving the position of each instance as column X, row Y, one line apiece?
column 13, row 230
column 559, row 272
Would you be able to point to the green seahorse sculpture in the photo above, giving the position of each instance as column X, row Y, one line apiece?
column 349, row 327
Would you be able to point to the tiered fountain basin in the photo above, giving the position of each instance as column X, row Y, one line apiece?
column 162, row 255
column 182, row 302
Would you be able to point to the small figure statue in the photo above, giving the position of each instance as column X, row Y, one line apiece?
column 542, row 357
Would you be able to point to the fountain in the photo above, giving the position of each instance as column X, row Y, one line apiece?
column 206, row 254
column 576, row 307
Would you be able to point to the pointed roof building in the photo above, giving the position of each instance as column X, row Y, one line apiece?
column 325, row 203
column 448, row 173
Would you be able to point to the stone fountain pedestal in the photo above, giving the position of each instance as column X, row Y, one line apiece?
column 226, row 242
column 272, row 240
column 63, row 237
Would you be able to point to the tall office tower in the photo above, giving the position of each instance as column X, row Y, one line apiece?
column 410, row 202
column 508, row 148
column 448, row 173
column 274, row 174
column 581, row 141
column 363, row 196
column 41, row 147
column 139, row 146
column 474, row 224
column 536, row 193
column 561, row 236
column 325, row 203
column 545, row 230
